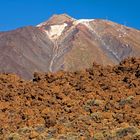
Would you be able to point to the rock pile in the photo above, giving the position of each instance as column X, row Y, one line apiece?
column 100, row 103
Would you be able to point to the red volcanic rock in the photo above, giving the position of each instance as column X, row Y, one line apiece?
column 96, row 103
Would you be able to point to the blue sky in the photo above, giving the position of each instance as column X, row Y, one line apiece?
column 18, row 13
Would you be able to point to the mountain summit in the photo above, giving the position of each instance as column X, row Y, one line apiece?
column 57, row 19
column 65, row 43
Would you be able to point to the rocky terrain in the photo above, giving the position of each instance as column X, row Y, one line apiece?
column 99, row 103
column 65, row 43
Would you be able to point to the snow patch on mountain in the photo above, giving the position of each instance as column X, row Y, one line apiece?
column 83, row 21
column 41, row 24
column 55, row 31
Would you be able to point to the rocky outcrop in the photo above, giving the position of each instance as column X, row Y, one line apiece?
column 98, row 103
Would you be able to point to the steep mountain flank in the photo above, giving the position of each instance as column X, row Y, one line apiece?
column 65, row 43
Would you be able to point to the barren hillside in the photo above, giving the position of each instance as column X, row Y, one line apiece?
column 65, row 43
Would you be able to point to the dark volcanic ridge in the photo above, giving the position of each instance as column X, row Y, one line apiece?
column 64, row 43
column 100, row 103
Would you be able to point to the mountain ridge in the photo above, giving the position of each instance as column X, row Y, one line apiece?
column 64, row 43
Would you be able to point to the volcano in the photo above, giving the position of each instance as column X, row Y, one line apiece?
column 65, row 43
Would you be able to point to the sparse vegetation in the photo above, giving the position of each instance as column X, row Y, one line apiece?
column 96, row 103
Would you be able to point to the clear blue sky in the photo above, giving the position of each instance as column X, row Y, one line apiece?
column 18, row 13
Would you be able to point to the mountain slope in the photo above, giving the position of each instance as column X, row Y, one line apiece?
column 64, row 43
column 25, row 51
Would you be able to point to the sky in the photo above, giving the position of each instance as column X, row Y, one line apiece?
column 19, row 13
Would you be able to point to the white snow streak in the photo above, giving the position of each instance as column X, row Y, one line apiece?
column 86, row 22
column 55, row 31
column 41, row 24
column 83, row 21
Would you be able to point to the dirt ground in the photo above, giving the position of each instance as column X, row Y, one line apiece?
column 100, row 103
